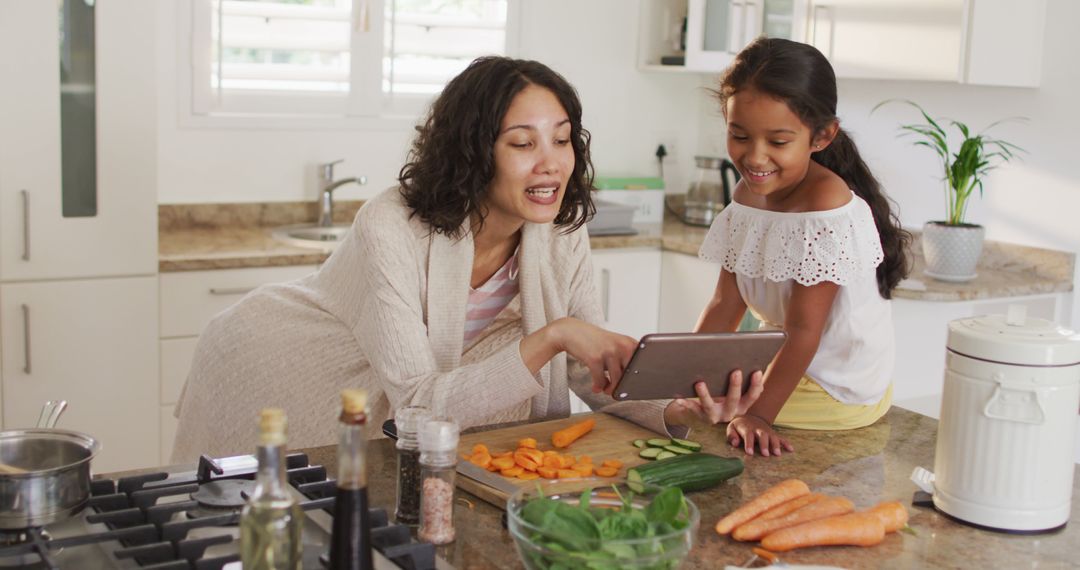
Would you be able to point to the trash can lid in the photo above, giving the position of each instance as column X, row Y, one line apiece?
column 1014, row 338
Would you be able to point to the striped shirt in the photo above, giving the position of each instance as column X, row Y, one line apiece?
column 489, row 299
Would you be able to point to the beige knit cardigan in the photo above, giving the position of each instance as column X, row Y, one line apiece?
column 386, row 313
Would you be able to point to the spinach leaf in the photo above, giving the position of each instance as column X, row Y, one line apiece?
column 666, row 506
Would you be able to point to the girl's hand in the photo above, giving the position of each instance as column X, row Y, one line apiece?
column 605, row 353
column 750, row 431
column 719, row 409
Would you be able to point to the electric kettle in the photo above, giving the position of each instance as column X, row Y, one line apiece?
column 710, row 190
column 1004, row 456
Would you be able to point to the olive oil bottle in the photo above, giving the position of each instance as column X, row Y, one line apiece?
column 271, row 522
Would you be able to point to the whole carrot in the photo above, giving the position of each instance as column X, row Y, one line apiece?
column 824, row 508
column 568, row 435
column 775, row 495
column 853, row 529
column 893, row 515
column 785, row 508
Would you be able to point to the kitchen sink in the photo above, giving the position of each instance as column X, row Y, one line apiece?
column 312, row 235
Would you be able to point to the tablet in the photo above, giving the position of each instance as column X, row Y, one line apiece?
column 668, row 365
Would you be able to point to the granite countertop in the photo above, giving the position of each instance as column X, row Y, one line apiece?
column 229, row 236
column 867, row 465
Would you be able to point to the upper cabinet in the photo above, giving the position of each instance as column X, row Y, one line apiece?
column 978, row 42
column 78, row 143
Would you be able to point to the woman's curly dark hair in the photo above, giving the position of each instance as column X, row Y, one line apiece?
column 451, row 163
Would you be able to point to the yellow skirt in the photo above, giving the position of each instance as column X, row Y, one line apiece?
column 811, row 407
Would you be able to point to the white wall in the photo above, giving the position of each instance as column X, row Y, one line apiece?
column 593, row 44
column 1033, row 202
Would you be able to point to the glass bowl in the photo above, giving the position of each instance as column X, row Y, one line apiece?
column 616, row 529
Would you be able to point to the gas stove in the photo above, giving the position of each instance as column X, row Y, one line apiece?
column 179, row 519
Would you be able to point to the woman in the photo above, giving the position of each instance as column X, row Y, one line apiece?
column 465, row 289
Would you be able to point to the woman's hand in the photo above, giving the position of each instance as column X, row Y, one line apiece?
column 605, row 353
column 719, row 409
column 750, row 431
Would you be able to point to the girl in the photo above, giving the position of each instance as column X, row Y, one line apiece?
column 809, row 244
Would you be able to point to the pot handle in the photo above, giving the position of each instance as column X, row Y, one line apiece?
column 1014, row 404
column 50, row 413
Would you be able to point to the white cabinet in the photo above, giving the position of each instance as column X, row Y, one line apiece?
column 37, row 241
column 189, row 300
column 629, row 285
column 716, row 30
column 983, row 42
column 686, row 285
column 88, row 342
column 978, row 42
column 78, row 293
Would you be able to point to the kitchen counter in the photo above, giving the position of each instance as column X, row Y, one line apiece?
column 228, row 236
column 866, row 465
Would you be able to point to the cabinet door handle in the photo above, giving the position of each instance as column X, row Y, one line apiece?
column 231, row 290
column 605, row 291
column 26, row 337
column 26, row 224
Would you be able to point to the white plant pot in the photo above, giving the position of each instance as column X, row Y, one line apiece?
column 952, row 252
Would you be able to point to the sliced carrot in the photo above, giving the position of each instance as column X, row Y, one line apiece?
column 785, row 508
column 548, row 472
column 566, row 461
column 566, row 436
column 583, row 469
column 821, row 509
column 779, row 493
column 612, row 463
column 491, row 467
column 893, row 515
column 568, row 474
column 512, row 471
column 502, row 454
column 480, row 448
column 606, row 471
column 480, row 458
column 527, row 442
column 584, row 459
column 552, row 461
column 525, row 461
column 528, row 475
column 503, row 462
column 852, row 529
column 550, row 452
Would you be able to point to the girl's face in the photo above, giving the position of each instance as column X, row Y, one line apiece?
column 534, row 159
column 768, row 143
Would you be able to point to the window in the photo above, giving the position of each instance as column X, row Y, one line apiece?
column 335, row 57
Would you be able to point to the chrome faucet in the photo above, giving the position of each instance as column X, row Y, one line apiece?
column 326, row 179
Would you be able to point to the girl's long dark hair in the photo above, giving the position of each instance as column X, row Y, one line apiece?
column 452, row 160
column 799, row 75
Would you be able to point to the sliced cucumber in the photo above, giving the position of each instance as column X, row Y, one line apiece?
column 677, row 450
column 685, row 443
column 650, row 452
column 639, row 443
column 664, row 454
column 658, row 442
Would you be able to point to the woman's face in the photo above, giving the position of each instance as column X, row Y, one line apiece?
column 534, row 159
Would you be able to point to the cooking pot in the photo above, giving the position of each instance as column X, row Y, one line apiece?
column 56, row 481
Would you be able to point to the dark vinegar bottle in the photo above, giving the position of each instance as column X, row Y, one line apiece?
column 350, row 541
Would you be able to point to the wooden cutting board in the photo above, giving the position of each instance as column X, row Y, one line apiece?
column 612, row 438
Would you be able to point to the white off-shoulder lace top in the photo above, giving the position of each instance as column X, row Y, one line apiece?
column 771, row 251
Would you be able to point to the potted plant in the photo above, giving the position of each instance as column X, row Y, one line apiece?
column 951, row 247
